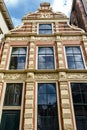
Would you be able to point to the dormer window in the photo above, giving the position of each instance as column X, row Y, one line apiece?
column 45, row 28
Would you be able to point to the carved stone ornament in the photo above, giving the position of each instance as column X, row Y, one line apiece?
column 1, row 76
column 46, row 76
column 45, row 15
column 77, row 76
column 16, row 76
column 62, row 76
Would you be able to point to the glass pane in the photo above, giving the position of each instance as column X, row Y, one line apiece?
column 41, row 88
column 77, row 98
column 45, row 26
column 42, row 99
column 70, row 58
column 76, row 49
column 71, row 65
column 51, row 88
column 78, row 58
column 69, row 50
column 81, row 122
column 41, row 58
column 79, row 65
column 21, row 62
column 13, row 94
column 75, row 87
column 15, row 50
column 43, row 110
column 22, row 50
column 52, row 99
column 13, row 63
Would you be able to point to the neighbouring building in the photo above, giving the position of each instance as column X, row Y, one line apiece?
column 79, row 14
column 5, row 20
column 43, row 74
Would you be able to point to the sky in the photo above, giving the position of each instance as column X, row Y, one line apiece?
column 18, row 8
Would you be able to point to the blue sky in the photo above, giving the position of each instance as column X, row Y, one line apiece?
column 18, row 8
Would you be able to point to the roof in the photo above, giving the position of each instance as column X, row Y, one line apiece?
column 6, row 15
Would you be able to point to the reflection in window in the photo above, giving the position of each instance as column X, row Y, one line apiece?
column 45, row 58
column 74, row 57
column 18, row 58
column 13, row 94
column 47, row 107
column 45, row 28
column 79, row 95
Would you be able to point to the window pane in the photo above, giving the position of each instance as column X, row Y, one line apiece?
column 10, row 120
column 18, row 58
column 45, row 58
column 74, row 57
column 45, row 29
column 13, row 94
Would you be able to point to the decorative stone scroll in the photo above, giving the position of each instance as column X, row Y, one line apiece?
column 15, row 76
column 77, row 76
column 45, row 15
column 46, row 76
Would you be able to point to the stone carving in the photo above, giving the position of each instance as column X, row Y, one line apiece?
column 45, row 15
column 16, row 76
column 46, row 76
column 1, row 76
column 62, row 76
column 77, row 76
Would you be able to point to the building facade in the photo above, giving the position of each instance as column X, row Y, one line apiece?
column 43, row 75
column 79, row 14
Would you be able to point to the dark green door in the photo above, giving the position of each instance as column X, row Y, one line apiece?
column 10, row 120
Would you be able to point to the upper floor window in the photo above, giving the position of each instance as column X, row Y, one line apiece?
column 46, row 58
column 47, row 118
column 45, row 28
column 18, row 58
column 74, row 57
column 79, row 96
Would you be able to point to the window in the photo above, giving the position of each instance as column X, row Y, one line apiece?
column 18, row 58
column 79, row 95
column 11, row 114
column 46, row 58
column 47, row 118
column 74, row 57
column 45, row 28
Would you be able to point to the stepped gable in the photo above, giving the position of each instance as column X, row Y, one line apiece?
column 45, row 12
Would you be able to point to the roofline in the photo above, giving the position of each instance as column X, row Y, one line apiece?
column 6, row 15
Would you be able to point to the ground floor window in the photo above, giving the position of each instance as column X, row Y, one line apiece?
column 79, row 95
column 12, row 105
column 47, row 118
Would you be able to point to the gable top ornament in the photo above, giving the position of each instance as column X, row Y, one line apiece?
column 45, row 11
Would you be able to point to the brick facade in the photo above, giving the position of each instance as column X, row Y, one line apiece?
column 28, row 36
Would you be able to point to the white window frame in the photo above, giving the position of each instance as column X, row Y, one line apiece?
column 44, row 23
column 58, row 102
column 81, row 54
column 9, row 58
column 37, row 57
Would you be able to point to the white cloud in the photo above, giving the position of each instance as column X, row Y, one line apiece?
column 16, row 21
column 11, row 2
column 62, row 6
